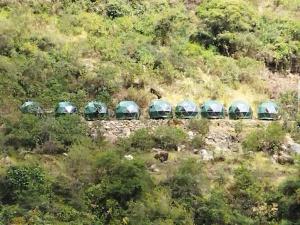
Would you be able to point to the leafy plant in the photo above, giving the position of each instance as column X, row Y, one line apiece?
column 168, row 137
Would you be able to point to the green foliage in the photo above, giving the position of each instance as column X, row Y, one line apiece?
column 158, row 207
column 289, row 104
column 169, row 137
column 280, row 37
column 141, row 140
column 187, row 182
column 224, row 23
column 214, row 210
column 49, row 134
column 25, row 185
column 198, row 141
column 201, row 126
column 268, row 139
column 234, row 28
column 108, row 50
column 120, row 181
column 289, row 200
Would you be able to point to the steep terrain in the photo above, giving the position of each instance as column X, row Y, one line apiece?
column 65, row 170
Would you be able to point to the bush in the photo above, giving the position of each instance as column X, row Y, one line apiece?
column 289, row 103
column 198, row 141
column 201, row 126
column 268, row 139
column 140, row 140
column 52, row 135
column 116, row 9
column 187, row 182
column 24, row 133
column 26, row 185
column 289, row 206
column 157, row 207
column 280, row 38
column 224, row 22
column 169, row 137
column 121, row 181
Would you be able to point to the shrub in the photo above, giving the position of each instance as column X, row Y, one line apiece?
column 121, row 181
column 224, row 22
column 168, row 137
column 289, row 206
column 157, row 207
column 280, row 38
column 50, row 134
column 23, row 133
column 187, row 181
column 198, row 141
column 116, row 9
column 245, row 185
column 26, row 185
column 201, row 126
column 268, row 139
column 140, row 140
column 289, row 104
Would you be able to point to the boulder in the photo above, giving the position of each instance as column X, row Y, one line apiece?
column 283, row 158
column 191, row 135
column 205, row 155
column 128, row 157
column 154, row 168
column 180, row 148
column 196, row 151
column 162, row 156
column 294, row 147
column 126, row 132
column 6, row 161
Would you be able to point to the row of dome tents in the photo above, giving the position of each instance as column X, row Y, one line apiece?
column 160, row 109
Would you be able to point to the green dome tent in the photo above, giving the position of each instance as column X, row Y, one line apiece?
column 94, row 110
column 186, row 109
column 268, row 111
column 127, row 110
column 212, row 110
column 63, row 108
column 160, row 109
column 31, row 107
column 240, row 110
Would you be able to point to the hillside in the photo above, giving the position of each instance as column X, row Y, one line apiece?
column 65, row 170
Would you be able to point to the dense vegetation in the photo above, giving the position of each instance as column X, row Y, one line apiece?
column 53, row 172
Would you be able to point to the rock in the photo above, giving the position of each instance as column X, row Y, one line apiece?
column 126, row 132
column 196, row 151
column 156, row 150
column 284, row 148
column 283, row 158
column 180, row 148
column 162, row 156
column 112, row 138
column 128, row 157
column 191, row 134
column 154, row 168
column 6, row 161
column 294, row 148
column 205, row 155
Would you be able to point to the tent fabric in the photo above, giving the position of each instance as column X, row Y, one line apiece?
column 127, row 110
column 268, row 111
column 212, row 109
column 240, row 110
column 65, row 108
column 31, row 107
column 95, row 109
column 160, row 109
column 186, row 109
